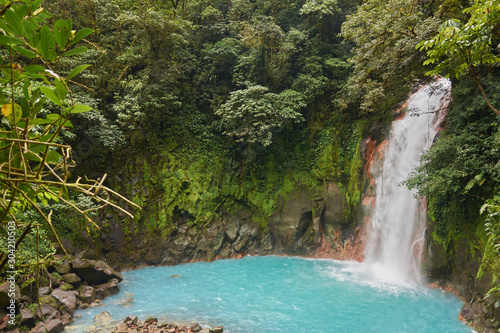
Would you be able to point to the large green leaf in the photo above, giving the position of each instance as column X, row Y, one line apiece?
column 61, row 89
column 75, row 51
column 25, row 52
column 62, row 30
column 78, row 108
column 77, row 70
column 51, row 95
column 81, row 34
column 8, row 40
column 47, row 44
column 14, row 21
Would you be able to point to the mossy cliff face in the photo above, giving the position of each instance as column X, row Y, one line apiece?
column 194, row 212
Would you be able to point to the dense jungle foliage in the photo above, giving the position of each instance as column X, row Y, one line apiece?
column 225, row 104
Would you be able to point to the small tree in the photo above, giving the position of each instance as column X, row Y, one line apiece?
column 37, row 102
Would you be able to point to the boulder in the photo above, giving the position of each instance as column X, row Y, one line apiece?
column 45, row 311
column 131, row 320
column 67, row 300
column 218, row 329
column 27, row 318
column 39, row 328
column 49, row 300
column 71, row 278
column 103, row 317
column 107, row 289
column 4, row 293
column 121, row 328
column 54, row 326
column 44, row 291
column 86, row 294
column 64, row 267
column 94, row 272
column 195, row 328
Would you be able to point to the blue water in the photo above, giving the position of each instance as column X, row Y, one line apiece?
column 280, row 294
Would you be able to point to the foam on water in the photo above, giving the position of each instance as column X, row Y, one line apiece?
column 279, row 294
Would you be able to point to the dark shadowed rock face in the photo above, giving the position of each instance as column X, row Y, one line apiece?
column 94, row 272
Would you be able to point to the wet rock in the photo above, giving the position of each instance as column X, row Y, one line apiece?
column 218, row 329
column 150, row 320
column 107, row 289
column 121, row 328
column 131, row 320
column 86, row 294
column 195, row 328
column 71, row 278
column 103, row 317
column 67, row 300
column 94, row 272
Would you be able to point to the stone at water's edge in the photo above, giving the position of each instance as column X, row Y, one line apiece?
column 94, row 272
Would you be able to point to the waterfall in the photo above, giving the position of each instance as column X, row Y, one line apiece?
column 398, row 220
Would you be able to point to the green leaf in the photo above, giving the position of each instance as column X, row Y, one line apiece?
column 61, row 89
column 53, row 116
column 78, row 108
column 51, row 95
column 77, row 70
column 40, row 121
column 53, row 157
column 62, row 30
column 14, row 21
column 34, row 68
column 25, row 52
column 8, row 40
column 47, row 44
column 75, row 51
column 30, row 33
column 81, row 34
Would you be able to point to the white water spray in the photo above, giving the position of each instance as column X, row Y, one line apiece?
column 398, row 222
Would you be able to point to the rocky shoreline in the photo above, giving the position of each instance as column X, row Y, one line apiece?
column 69, row 284
column 105, row 323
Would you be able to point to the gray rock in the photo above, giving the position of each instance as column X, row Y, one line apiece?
column 131, row 320
column 232, row 231
column 27, row 318
column 103, row 317
column 49, row 300
column 107, row 289
column 94, row 272
column 54, row 326
column 195, row 328
column 180, row 244
column 63, row 268
column 67, row 300
column 4, row 293
column 39, row 328
column 218, row 329
column 121, row 328
column 44, row 291
column 71, row 278
column 86, row 294
column 45, row 311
